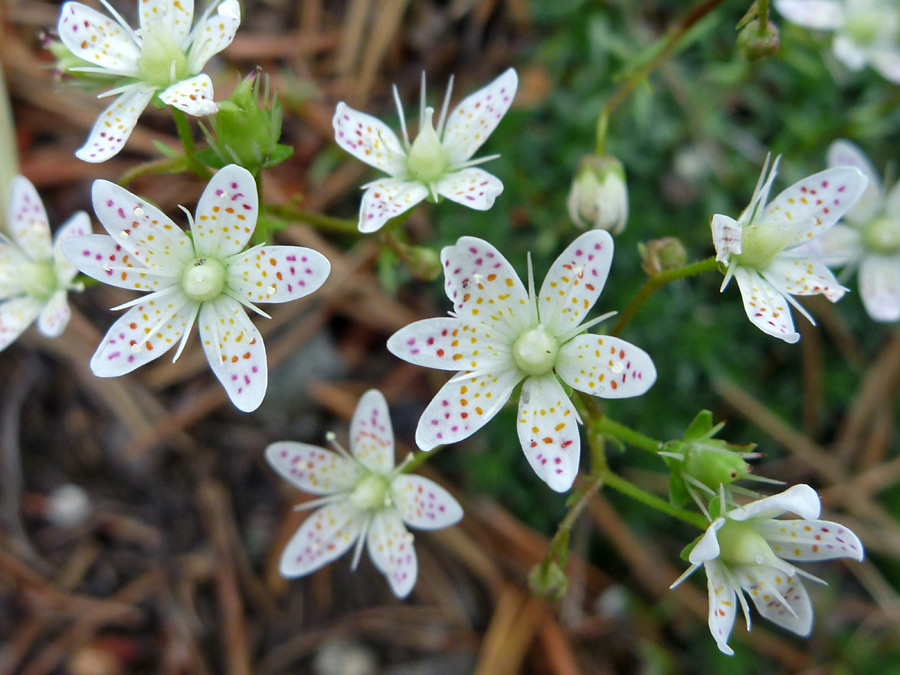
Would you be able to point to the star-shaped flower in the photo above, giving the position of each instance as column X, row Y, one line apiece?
column 438, row 163
column 865, row 31
column 499, row 334
column 367, row 499
column 871, row 241
column 763, row 247
column 34, row 275
column 208, row 274
column 164, row 57
column 747, row 551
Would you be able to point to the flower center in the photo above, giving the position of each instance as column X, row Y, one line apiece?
column 741, row 544
column 864, row 27
column 761, row 243
column 882, row 235
column 38, row 279
column 535, row 351
column 427, row 159
column 204, row 279
column 372, row 493
column 162, row 61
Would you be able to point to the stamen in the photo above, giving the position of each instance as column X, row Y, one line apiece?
column 422, row 102
column 246, row 303
column 402, row 118
column 443, row 118
column 359, row 543
column 187, row 333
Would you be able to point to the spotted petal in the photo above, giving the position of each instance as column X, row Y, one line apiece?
column 226, row 213
column 815, row 14
column 447, row 343
column 54, row 316
column 173, row 17
column 424, row 504
column 391, row 548
column 574, row 281
column 312, row 469
column 145, row 332
column 101, row 258
column 484, row 288
column 820, row 199
column 548, row 431
column 798, row 276
column 193, row 95
column 605, row 366
column 778, row 597
column 115, row 124
column 324, row 536
column 28, row 222
column 810, row 539
column 98, row 39
column 15, row 316
column 141, row 229
column 475, row 118
column 845, row 153
column 387, row 198
column 470, row 187
column 235, row 351
column 78, row 225
column 799, row 499
column 369, row 139
column 726, row 235
column 213, row 33
column 722, row 604
column 879, row 286
column 276, row 273
column 464, row 405
column 765, row 305
column 371, row 435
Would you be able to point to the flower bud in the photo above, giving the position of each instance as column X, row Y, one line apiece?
column 548, row 582
column 754, row 45
column 599, row 195
column 659, row 255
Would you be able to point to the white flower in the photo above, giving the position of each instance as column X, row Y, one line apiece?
column 34, row 275
column 871, row 241
column 746, row 551
column 499, row 334
column 165, row 57
column 438, row 163
column 763, row 247
column 208, row 274
column 865, row 31
column 366, row 500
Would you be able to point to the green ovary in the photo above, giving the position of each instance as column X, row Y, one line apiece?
column 371, row 494
column 741, row 544
column 535, row 351
column 760, row 244
column 427, row 159
column 38, row 279
column 203, row 279
column 162, row 62
column 882, row 235
column 864, row 27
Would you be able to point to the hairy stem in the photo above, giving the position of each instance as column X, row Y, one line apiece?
column 609, row 427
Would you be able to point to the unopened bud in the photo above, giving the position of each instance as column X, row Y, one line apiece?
column 423, row 263
column 659, row 255
column 548, row 582
column 599, row 195
column 754, row 45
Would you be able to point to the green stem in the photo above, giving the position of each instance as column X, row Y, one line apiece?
column 414, row 460
column 629, row 489
column 190, row 148
column 609, row 427
column 560, row 541
column 763, row 7
column 318, row 220
column 654, row 283
column 630, row 83
column 157, row 167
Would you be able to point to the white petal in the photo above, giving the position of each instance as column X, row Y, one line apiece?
column 727, row 235
column 115, row 124
column 799, row 499
column 887, row 63
column 98, row 39
column 276, row 273
column 226, row 213
column 213, row 34
column 324, row 536
column 447, row 343
column 470, row 187
column 387, row 198
column 820, row 199
column 879, row 286
column 28, row 224
column 849, row 53
column 369, row 139
column 54, row 317
column 173, row 17
column 845, row 153
column 371, row 434
column 780, row 598
column 463, row 406
column 810, row 539
column 141, row 229
column 475, row 118
column 391, row 548
column 101, row 258
column 193, row 95
column 78, row 225
column 574, row 281
column 816, row 14
column 892, row 202
column 708, row 547
column 424, row 504
column 840, row 245
column 15, row 316
column 311, row 468
column 145, row 332
column 798, row 276
column 605, row 366
column 235, row 351
column 484, row 288
column 765, row 306
column 722, row 605
column 548, row 431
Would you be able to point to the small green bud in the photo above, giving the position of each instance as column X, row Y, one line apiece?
column 599, row 194
column 548, row 582
column 754, row 45
column 659, row 255
column 713, row 464
column 423, row 263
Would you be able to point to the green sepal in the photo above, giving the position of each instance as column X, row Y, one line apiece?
column 678, row 492
column 279, row 153
column 686, row 551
